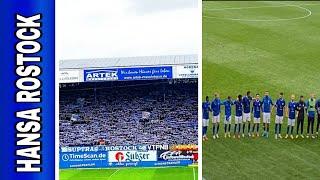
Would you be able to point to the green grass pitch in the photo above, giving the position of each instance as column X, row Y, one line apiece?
column 271, row 46
column 165, row 173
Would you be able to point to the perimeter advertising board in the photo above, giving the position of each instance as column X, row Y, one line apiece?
column 123, row 74
column 123, row 156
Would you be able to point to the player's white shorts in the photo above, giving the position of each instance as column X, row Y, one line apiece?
column 291, row 122
column 238, row 120
column 246, row 117
column 227, row 120
column 205, row 122
column 256, row 120
column 216, row 119
column 266, row 117
column 279, row 119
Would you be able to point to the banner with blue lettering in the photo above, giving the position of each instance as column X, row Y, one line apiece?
column 123, row 156
column 136, row 73
column 27, row 93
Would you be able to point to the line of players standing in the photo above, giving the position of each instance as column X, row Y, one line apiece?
column 245, row 105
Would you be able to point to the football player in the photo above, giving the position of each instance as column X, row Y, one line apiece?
column 280, row 105
column 205, row 118
column 215, row 107
column 256, row 109
column 291, row 114
column 266, row 109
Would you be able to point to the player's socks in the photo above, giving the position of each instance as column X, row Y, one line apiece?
column 243, row 127
column 214, row 129
column 235, row 128
column 288, row 129
column 276, row 129
column 249, row 126
column 280, row 129
column 253, row 127
column 291, row 130
column 225, row 128
column 217, row 128
column 258, row 127
column 229, row 128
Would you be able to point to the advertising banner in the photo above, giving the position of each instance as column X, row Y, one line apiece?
column 135, row 73
column 69, row 76
column 175, row 155
column 186, row 71
column 123, row 156
column 115, row 148
column 132, row 156
column 83, row 159
column 150, row 163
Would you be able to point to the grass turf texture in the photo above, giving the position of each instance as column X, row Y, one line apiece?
column 279, row 56
column 175, row 173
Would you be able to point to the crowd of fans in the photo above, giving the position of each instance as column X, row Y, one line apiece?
column 129, row 113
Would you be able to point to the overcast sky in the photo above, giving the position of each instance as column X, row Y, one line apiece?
column 120, row 28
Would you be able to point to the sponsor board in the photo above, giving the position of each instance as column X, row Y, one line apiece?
column 132, row 156
column 101, row 75
column 186, row 71
column 83, row 159
column 138, row 147
column 69, row 76
column 150, row 163
column 176, row 155
column 114, row 148
column 135, row 73
column 81, row 149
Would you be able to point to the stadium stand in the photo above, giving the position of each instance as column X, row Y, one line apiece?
column 129, row 112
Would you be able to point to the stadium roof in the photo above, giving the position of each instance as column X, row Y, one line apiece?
column 128, row 61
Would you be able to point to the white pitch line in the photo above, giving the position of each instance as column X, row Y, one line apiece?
column 113, row 173
column 309, row 13
column 254, row 7
column 194, row 174
column 248, row 7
